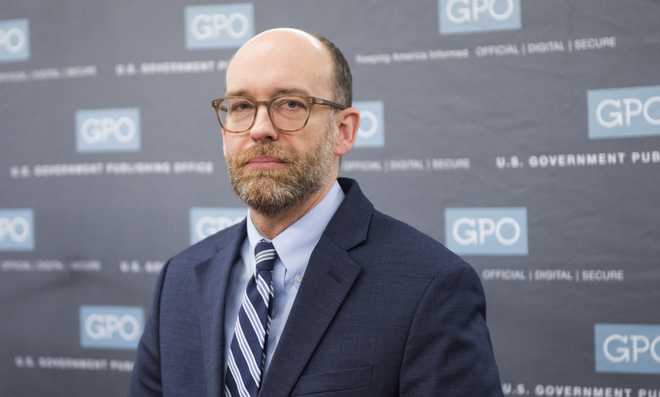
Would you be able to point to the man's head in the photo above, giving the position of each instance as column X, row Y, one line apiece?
column 271, row 168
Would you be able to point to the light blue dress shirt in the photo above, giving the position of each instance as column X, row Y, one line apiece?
column 294, row 246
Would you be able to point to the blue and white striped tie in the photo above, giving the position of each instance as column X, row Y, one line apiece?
column 247, row 353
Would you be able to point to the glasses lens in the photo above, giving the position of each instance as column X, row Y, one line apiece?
column 289, row 113
column 236, row 114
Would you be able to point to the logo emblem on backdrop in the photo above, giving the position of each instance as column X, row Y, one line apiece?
column 16, row 229
column 219, row 26
column 372, row 124
column 486, row 231
column 466, row 16
column 14, row 40
column 624, row 112
column 111, row 327
column 207, row 221
column 629, row 348
column 108, row 130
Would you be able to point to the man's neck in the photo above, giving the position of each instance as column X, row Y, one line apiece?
column 271, row 225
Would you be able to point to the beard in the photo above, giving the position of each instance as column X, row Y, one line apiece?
column 273, row 191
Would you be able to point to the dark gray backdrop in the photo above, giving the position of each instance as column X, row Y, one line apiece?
column 522, row 133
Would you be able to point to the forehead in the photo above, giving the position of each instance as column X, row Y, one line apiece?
column 277, row 62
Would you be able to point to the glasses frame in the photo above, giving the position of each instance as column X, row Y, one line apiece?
column 311, row 101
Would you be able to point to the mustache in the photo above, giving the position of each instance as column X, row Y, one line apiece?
column 261, row 150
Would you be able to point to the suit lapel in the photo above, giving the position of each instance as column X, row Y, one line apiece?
column 329, row 277
column 320, row 296
column 212, row 276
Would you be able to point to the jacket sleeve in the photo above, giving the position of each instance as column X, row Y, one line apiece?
column 448, row 350
column 146, row 377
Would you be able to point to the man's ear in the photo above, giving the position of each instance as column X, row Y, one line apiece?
column 348, row 122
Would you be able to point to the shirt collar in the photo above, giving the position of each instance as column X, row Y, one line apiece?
column 295, row 244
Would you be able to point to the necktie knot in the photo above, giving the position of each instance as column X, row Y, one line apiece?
column 265, row 256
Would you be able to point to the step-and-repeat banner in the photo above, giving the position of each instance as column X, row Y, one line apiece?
column 524, row 134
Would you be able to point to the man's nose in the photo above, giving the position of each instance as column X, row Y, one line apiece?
column 263, row 127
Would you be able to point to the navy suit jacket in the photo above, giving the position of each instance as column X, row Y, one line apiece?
column 383, row 310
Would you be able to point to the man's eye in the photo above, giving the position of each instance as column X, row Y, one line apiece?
column 241, row 107
column 291, row 104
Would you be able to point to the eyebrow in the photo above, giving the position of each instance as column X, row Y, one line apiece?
column 278, row 92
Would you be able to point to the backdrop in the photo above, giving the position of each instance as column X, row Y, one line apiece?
column 524, row 134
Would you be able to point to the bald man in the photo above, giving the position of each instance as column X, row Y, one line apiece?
column 315, row 292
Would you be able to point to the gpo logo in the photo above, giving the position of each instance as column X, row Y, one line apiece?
column 121, row 129
column 486, row 231
column 372, row 125
column 205, row 222
column 211, row 26
column 631, row 348
column 14, row 40
column 462, row 16
column 16, row 229
column 219, row 26
column 107, row 326
column 115, row 327
column 624, row 112
column 105, row 130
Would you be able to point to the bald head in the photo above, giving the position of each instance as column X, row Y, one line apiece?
column 285, row 34
column 278, row 55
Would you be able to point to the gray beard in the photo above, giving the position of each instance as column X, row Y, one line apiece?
column 272, row 191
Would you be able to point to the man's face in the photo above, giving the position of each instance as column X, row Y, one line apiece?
column 272, row 170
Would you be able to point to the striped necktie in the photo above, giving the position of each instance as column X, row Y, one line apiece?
column 247, row 353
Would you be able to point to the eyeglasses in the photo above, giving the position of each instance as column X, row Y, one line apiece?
column 288, row 113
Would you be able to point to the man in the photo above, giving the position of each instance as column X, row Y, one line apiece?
column 315, row 293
